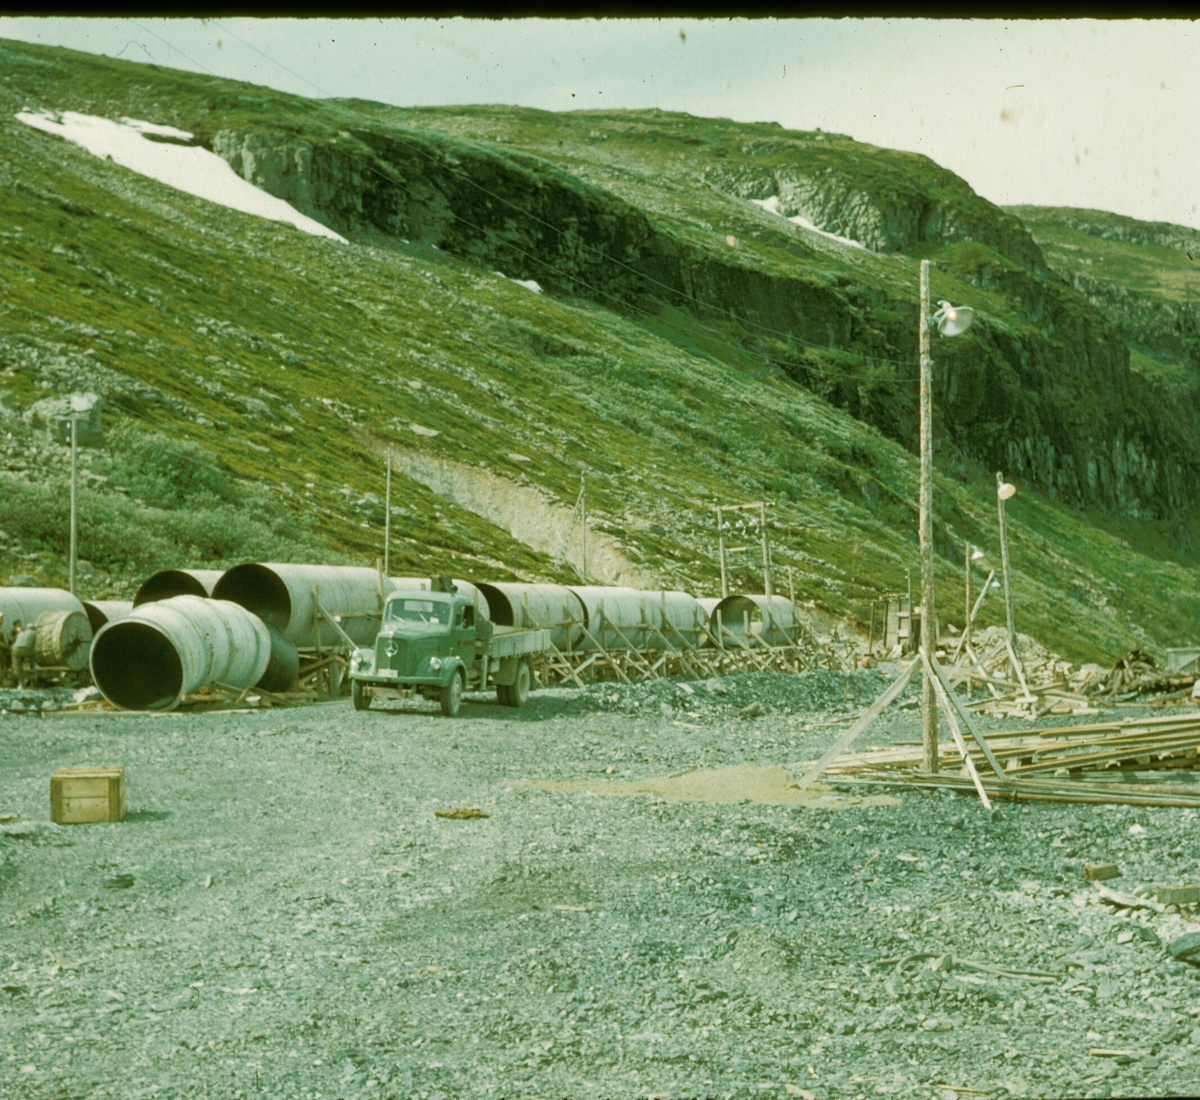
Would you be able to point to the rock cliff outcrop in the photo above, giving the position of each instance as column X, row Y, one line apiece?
column 1047, row 397
column 876, row 203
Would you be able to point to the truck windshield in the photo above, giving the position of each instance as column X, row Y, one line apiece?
column 418, row 611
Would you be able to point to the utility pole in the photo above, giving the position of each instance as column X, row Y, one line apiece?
column 1001, row 496
column 929, row 734
column 387, row 517
column 74, row 481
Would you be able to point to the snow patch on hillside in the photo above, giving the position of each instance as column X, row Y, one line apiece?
column 771, row 206
column 188, row 168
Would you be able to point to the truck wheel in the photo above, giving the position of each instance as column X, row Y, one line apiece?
column 502, row 695
column 452, row 695
column 518, row 692
column 358, row 694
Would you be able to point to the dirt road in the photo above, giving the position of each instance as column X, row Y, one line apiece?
column 283, row 915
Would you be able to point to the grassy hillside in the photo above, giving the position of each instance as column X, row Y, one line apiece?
column 256, row 376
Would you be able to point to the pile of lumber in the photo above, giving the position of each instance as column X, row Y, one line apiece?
column 1056, row 763
column 220, row 697
column 1027, row 681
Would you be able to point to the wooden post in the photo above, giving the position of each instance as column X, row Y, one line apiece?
column 583, row 526
column 74, row 480
column 1008, row 604
column 967, row 603
column 387, row 517
column 721, row 546
column 929, row 735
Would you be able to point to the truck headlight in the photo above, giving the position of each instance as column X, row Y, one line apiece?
column 435, row 663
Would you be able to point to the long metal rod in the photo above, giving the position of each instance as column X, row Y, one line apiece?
column 929, row 736
column 74, row 480
column 387, row 517
column 583, row 519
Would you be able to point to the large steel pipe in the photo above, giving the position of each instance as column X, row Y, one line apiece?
column 24, row 605
column 614, row 617
column 684, row 618
column 282, row 596
column 63, row 638
column 100, row 612
column 546, row 605
column 171, row 648
column 177, row 582
column 736, row 612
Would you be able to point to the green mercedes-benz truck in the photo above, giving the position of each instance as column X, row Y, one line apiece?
column 438, row 645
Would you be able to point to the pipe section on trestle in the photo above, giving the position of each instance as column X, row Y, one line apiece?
column 282, row 596
column 774, row 624
column 171, row 648
column 537, row 605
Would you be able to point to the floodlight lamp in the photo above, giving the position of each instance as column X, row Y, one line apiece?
column 1005, row 491
column 976, row 554
column 952, row 320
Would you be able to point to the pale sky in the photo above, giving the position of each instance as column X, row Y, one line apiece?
column 1088, row 113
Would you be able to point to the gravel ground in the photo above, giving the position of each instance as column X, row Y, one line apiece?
column 282, row 915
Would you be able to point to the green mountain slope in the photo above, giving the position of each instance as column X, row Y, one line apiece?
column 690, row 348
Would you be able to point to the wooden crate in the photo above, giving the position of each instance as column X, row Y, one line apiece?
column 79, row 795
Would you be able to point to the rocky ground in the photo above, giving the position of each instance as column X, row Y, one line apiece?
column 282, row 914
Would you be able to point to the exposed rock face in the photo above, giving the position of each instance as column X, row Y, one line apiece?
column 885, row 215
column 1053, row 402
column 1149, row 322
column 380, row 190
column 1115, row 227
column 1166, row 324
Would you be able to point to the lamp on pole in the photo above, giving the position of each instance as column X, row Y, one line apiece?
column 949, row 321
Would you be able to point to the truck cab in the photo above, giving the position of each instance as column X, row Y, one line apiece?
column 436, row 643
column 427, row 641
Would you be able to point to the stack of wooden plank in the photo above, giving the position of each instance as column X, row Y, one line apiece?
column 1059, row 763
